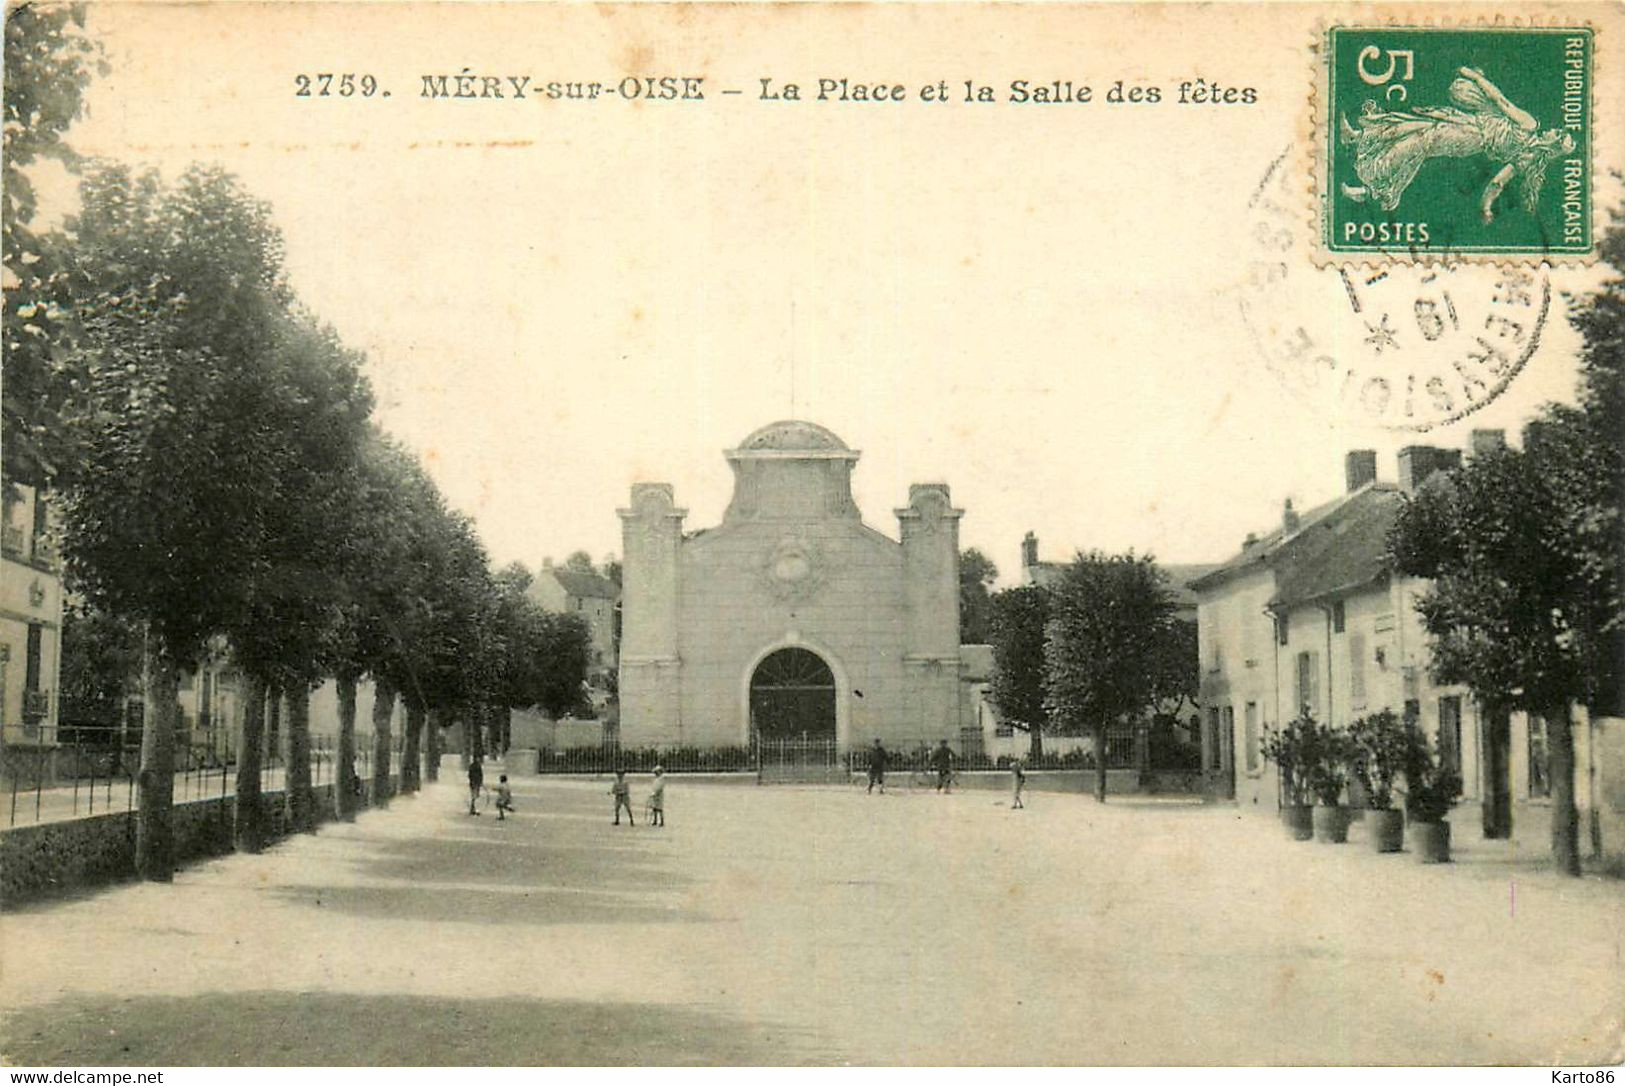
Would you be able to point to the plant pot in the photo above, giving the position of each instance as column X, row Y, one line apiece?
column 1431, row 842
column 1385, row 830
column 1298, row 822
column 1331, row 824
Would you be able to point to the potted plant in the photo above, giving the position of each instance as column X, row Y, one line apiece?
column 1326, row 755
column 1381, row 744
column 1431, row 789
column 1284, row 747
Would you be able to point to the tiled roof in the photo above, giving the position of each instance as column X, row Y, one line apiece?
column 1342, row 552
column 1339, row 546
column 589, row 585
column 1269, row 546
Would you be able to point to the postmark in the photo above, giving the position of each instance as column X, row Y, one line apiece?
column 1405, row 347
column 1454, row 144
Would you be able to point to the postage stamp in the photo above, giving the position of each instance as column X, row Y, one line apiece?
column 1455, row 143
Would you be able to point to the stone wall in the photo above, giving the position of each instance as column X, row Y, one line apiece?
column 52, row 857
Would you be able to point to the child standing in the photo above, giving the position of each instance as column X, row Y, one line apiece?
column 623, row 797
column 657, row 799
column 1018, row 782
column 504, row 797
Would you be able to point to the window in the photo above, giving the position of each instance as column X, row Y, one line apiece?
column 1226, row 737
column 1450, row 733
column 1338, row 617
column 1540, row 782
column 1309, row 683
column 1249, row 721
column 31, row 674
column 1213, row 737
column 1282, row 628
column 1357, row 670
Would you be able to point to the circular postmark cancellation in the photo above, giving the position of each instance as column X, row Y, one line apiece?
column 1403, row 346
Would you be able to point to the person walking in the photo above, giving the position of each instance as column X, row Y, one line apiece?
column 476, row 781
column 504, row 798
column 877, row 767
column 1018, row 783
column 623, row 798
column 942, row 760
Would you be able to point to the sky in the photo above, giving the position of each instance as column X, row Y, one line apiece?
column 1040, row 304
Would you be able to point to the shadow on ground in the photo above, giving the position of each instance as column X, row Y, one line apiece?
column 532, row 906
column 340, row 1029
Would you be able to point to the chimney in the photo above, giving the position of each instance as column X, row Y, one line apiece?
column 1417, row 462
column 1289, row 518
column 1360, row 468
column 1484, row 442
column 1029, row 551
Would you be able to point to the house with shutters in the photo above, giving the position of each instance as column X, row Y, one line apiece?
column 1310, row 617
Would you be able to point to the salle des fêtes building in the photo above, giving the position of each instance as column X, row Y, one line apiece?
column 792, row 618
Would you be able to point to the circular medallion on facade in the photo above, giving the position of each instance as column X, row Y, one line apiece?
column 792, row 570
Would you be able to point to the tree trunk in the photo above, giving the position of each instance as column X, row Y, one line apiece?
column 411, row 777
column 1100, row 762
column 431, row 750
column 1565, row 815
column 345, row 779
column 1035, row 743
column 250, row 808
column 1497, row 800
column 383, row 707
column 301, row 803
column 154, row 830
column 273, row 729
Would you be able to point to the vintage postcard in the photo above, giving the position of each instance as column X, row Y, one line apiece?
column 849, row 535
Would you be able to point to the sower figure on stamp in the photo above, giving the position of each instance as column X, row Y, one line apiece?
column 1391, row 146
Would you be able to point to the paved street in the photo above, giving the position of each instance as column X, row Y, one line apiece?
column 816, row 926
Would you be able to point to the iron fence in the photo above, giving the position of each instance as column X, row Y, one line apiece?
column 86, row 770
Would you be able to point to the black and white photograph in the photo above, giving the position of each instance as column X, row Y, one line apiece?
column 838, row 535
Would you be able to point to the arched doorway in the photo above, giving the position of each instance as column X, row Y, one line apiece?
column 792, row 696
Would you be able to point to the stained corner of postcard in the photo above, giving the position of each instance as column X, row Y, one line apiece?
column 1441, row 143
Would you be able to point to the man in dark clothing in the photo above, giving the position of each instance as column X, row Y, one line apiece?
column 942, row 760
column 476, row 781
column 877, row 767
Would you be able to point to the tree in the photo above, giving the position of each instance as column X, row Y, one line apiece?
column 976, row 576
column 49, row 61
column 176, row 292
column 311, row 416
column 1016, row 629
column 580, row 562
column 566, row 652
column 1111, row 618
column 1523, row 548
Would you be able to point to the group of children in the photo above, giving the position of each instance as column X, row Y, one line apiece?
column 476, row 784
column 622, row 793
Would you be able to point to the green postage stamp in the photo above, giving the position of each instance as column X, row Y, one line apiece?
column 1447, row 142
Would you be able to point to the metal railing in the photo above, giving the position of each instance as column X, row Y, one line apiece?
column 92, row 769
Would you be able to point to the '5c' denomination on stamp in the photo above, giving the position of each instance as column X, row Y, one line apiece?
column 1455, row 143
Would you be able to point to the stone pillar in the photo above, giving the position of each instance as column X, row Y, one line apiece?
column 929, row 529
column 651, row 541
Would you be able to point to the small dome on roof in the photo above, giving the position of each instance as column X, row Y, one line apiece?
column 792, row 434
